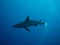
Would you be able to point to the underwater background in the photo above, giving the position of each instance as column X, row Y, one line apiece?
column 16, row 11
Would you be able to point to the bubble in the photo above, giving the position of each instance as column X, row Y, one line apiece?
column 46, row 24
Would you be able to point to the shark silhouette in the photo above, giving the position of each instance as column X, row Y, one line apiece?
column 28, row 22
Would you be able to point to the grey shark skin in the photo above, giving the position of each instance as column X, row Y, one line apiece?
column 28, row 23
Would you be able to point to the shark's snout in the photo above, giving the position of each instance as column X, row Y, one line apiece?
column 14, row 26
column 17, row 26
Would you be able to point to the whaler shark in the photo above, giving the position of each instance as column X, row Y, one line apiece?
column 28, row 22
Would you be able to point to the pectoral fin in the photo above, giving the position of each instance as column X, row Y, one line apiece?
column 35, row 25
column 27, row 29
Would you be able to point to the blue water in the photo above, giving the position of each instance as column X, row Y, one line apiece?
column 16, row 11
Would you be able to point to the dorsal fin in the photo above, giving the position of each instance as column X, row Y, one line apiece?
column 27, row 19
column 40, row 20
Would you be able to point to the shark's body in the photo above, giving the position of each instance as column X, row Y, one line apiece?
column 28, row 23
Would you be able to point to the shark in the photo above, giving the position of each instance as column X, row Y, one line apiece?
column 28, row 22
